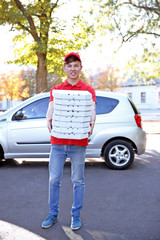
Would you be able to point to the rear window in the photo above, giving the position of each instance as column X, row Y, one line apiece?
column 133, row 106
column 105, row 105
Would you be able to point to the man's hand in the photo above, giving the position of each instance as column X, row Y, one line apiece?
column 93, row 118
column 49, row 116
column 92, row 126
column 49, row 125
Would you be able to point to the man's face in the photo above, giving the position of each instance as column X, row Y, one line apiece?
column 73, row 70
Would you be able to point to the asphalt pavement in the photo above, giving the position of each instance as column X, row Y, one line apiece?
column 119, row 205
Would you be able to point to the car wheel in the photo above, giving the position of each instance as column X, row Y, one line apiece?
column 118, row 154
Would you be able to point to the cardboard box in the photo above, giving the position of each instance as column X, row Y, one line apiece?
column 72, row 114
column 70, row 136
column 75, row 103
column 71, row 119
column 70, row 124
column 72, row 95
column 71, row 130
column 72, row 107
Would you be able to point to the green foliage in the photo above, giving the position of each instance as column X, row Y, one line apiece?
column 146, row 66
column 43, row 30
column 129, row 19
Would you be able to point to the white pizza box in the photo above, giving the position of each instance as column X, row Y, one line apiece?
column 67, row 102
column 71, row 119
column 69, row 136
column 72, row 113
column 72, row 108
column 70, row 124
column 71, row 130
column 72, row 95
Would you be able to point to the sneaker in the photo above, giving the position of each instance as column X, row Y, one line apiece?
column 76, row 223
column 49, row 221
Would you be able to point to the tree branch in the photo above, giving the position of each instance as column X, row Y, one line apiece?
column 157, row 3
column 150, row 9
column 53, row 7
column 132, row 35
column 30, row 20
column 150, row 33
column 139, row 31
column 23, row 27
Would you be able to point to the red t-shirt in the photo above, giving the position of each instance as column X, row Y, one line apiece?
column 81, row 86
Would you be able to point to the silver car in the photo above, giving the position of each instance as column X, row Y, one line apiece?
column 117, row 135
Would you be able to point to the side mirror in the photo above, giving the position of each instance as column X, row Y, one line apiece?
column 19, row 115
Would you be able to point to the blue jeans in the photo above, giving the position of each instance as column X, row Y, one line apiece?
column 58, row 156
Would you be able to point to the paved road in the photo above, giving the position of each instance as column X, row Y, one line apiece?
column 119, row 205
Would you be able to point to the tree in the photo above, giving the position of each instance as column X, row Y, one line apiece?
column 109, row 79
column 13, row 87
column 145, row 66
column 29, row 76
column 44, row 37
column 130, row 19
column 53, row 80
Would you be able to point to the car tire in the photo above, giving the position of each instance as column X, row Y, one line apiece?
column 118, row 154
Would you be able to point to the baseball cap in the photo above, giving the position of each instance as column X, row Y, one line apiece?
column 72, row 54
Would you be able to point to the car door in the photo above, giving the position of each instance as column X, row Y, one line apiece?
column 104, row 121
column 28, row 135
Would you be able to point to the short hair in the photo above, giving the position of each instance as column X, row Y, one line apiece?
column 71, row 59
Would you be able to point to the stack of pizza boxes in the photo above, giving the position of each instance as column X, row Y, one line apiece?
column 72, row 114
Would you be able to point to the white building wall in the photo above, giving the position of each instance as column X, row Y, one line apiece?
column 158, row 97
column 152, row 96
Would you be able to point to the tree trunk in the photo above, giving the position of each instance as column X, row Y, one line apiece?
column 41, row 73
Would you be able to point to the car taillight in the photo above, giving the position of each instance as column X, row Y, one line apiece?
column 138, row 120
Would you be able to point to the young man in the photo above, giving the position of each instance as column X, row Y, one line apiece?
column 75, row 149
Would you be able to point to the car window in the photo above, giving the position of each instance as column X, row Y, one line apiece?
column 105, row 104
column 37, row 109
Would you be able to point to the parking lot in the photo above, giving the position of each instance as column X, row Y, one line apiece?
column 119, row 205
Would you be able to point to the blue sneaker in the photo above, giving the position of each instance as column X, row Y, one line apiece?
column 49, row 221
column 76, row 223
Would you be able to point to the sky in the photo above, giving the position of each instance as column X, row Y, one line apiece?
column 6, row 46
column 96, row 57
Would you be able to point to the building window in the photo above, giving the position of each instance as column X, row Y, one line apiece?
column 130, row 95
column 159, row 97
column 143, row 97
